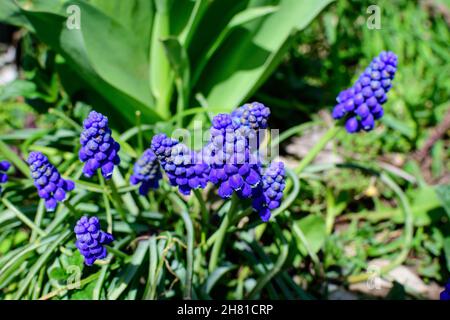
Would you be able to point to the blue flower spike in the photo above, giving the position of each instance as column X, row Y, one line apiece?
column 268, row 196
column 254, row 115
column 98, row 148
column 4, row 167
column 146, row 172
column 91, row 239
column 233, row 168
column 361, row 105
column 445, row 295
column 182, row 166
column 49, row 183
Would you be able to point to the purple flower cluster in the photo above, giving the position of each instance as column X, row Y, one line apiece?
column 183, row 166
column 4, row 166
column 91, row 239
column 146, row 171
column 49, row 183
column 98, row 148
column 445, row 295
column 253, row 115
column 361, row 104
column 268, row 195
column 232, row 166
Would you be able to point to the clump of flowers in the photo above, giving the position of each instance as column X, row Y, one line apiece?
column 183, row 166
column 98, row 148
column 146, row 172
column 49, row 183
column 4, row 166
column 91, row 239
column 254, row 115
column 361, row 104
column 445, row 295
column 233, row 168
column 268, row 195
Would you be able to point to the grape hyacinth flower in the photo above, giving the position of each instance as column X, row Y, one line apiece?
column 147, row 172
column 49, row 183
column 445, row 295
column 4, row 166
column 91, row 239
column 98, row 148
column 361, row 104
column 232, row 166
column 183, row 166
column 268, row 195
column 253, row 115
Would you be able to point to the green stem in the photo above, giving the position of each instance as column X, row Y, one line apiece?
column 292, row 131
column 217, row 247
column 282, row 257
column 109, row 219
column 64, row 117
column 96, row 292
column 203, row 207
column 312, row 154
column 38, row 218
column 14, row 158
column 190, row 245
column 180, row 101
column 139, row 135
column 117, row 200
column 72, row 209
column 23, row 217
column 189, row 253
column 301, row 236
column 117, row 253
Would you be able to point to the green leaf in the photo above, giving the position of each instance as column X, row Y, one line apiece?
column 313, row 227
column 130, row 271
column 250, row 14
column 127, row 67
column 252, row 52
column 40, row 263
column 10, row 13
column 106, row 77
column 18, row 88
column 443, row 193
column 160, row 82
column 215, row 276
column 134, row 15
column 177, row 56
column 447, row 252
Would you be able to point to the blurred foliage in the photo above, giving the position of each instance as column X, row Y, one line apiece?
column 156, row 57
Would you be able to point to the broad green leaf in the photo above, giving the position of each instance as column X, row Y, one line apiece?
column 121, row 59
column 252, row 51
column 10, row 13
column 134, row 15
column 71, row 44
column 160, row 82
